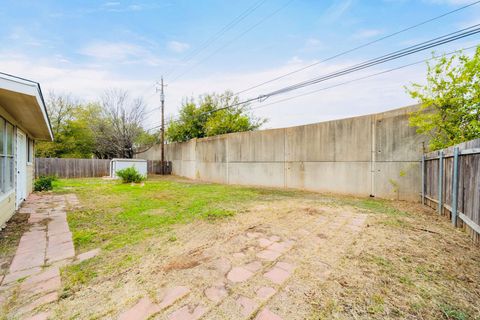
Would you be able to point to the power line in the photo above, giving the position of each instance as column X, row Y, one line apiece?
column 358, row 47
column 373, row 62
column 216, row 36
column 220, row 33
column 252, row 8
column 385, row 58
column 151, row 111
column 258, row 100
column 362, row 78
column 349, row 81
column 367, row 64
column 233, row 40
column 150, row 87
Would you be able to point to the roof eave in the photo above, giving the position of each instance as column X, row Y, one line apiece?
column 31, row 88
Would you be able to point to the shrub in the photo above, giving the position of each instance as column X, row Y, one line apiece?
column 44, row 183
column 129, row 175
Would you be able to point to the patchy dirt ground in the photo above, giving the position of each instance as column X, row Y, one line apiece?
column 306, row 256
column 9, row 239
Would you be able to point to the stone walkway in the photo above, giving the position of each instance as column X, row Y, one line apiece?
column 261, row 273
column 271, row 249
column 256, row 287
column 34, row 273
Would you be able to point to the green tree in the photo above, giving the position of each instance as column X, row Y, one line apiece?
column 211, row 115
column 450, row 101
column 112, row 128
column 73, row 137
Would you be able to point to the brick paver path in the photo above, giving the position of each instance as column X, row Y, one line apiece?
column 34, row 271
column 254, row 288
column 259, row 274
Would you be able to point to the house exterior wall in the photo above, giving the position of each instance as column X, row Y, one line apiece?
column 7, row 201
column 7, row 207
column 30, row 175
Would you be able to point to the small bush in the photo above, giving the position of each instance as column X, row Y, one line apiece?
column 129, row 175
column 44, row 183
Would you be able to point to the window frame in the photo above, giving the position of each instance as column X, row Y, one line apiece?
column 4, row 157
column 30, row 148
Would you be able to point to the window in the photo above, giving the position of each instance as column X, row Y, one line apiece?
column 29, row 150
column 7, row 165
column 2, row 155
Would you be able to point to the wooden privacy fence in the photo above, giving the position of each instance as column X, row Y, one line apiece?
column 72, row 168
column 86, row 168
column 451, row 184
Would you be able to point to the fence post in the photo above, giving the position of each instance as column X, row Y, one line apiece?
column 440, row 182
column 455, row 187
column 423, row 179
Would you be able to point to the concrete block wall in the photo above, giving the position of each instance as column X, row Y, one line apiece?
column 376, row 155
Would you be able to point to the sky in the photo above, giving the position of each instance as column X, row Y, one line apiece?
column 83, row 48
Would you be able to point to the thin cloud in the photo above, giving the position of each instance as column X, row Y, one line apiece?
column 469, row 23
column 337, row 10
column 295, row 61
column 177, row 46
column 312, row 45
column 21, row 36
column 115, row 6
column 111, row 4
column 135, row 7
column 367, row 33
column 451, row 2
column 119, row 52
column 112, row 50
column 89, row 83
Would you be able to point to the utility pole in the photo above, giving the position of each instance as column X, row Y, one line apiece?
column 162, row 130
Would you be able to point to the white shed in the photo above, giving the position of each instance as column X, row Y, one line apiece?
column 119, row 164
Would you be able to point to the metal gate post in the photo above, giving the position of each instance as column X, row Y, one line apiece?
column 423, row 179
column 440, row 182
column 455, row 186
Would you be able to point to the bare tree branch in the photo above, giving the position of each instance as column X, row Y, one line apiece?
column 121, row 124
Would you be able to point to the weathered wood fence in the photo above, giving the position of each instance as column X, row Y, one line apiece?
column 86, row 168
column 72, row 168
column 451, row 184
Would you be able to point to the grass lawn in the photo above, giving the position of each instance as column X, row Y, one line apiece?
column 403, row 262
column 115, row 215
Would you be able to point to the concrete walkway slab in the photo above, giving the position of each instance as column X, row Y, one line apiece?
column 48, row 240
